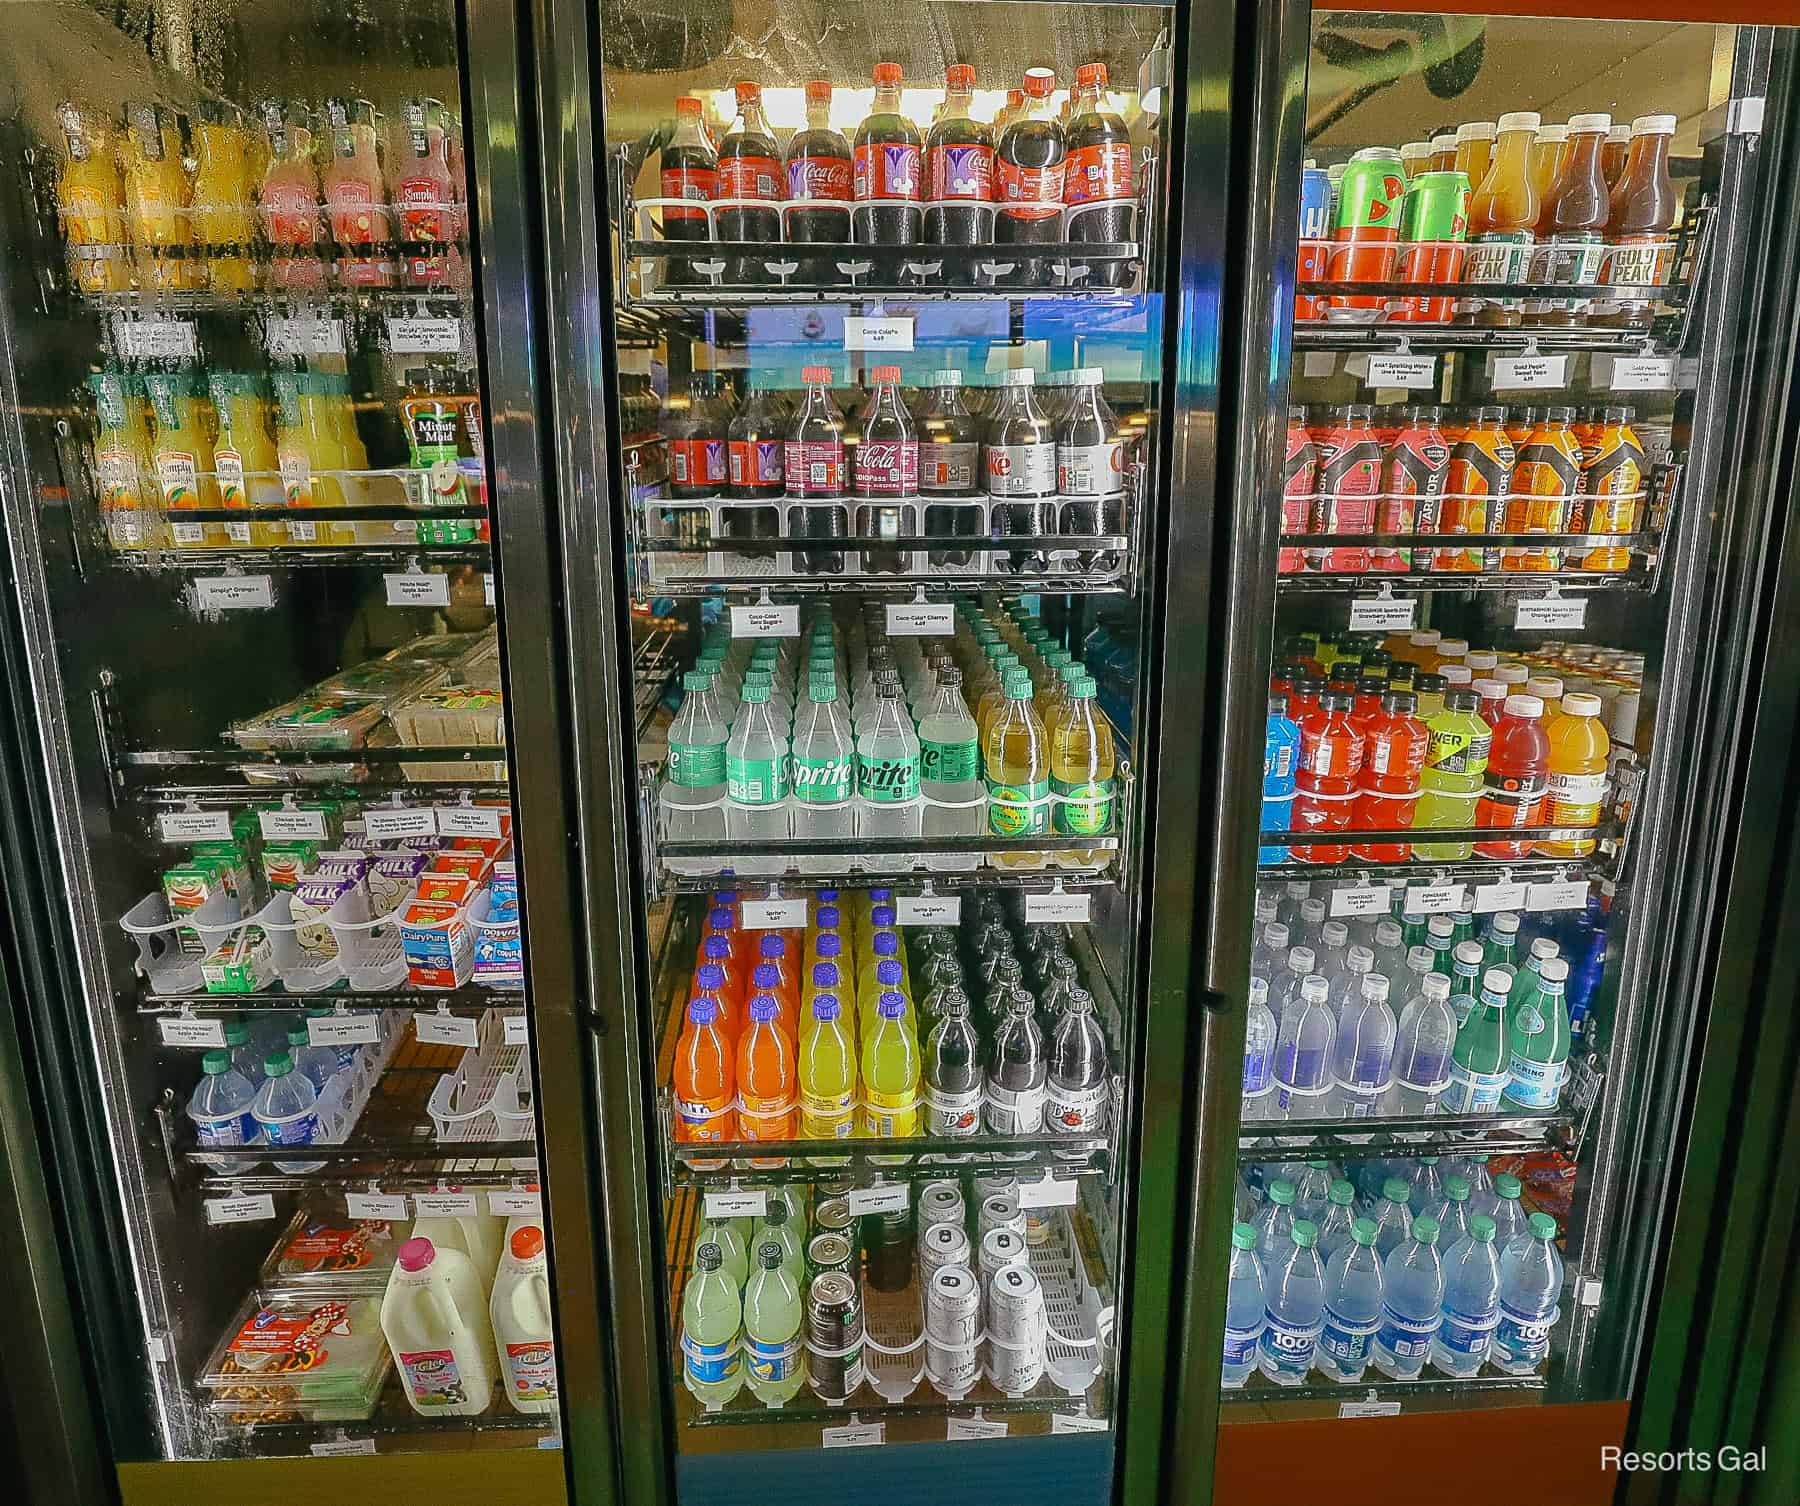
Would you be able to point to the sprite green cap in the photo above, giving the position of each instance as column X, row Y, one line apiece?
column 1018, row 685
column 1083, row 688
column 756, row 691
column 820, row 689
column 696, row 679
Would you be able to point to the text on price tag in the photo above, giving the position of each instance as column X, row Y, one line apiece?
column 854, row 1435
column 773, row 914
column 928, row 909
column 1643, row 373
column 303, row 336
column 414, row 588
column 438, row 1029
column 1047, row 1192
column 766, row 621
column 737, row 1202
column 1064, row 1422
column 233, row 593
column 339, row 1448
column 187, row 1030
column 1048, row 907
column 1542, row 612
column 515, row 1030
column 974, row 1427
column 289, row 824
column 1362, row 901
column 877, row 334
column 388, row 1206
column 1531, row 371
column 1571, row 895
column 157, row 339
column 920, row 619
column 424, row 336
column 1492, row 897
column 392, row 824
column 253, row 1208
column 1402, row 371
column 343, row 1030
column 194, row 826
column 515, row 1202
column 890, row 1197
column 1370, row 613
column 445, row 1204
column 1368, row 1409
column 1435, row 899
column 470, row 821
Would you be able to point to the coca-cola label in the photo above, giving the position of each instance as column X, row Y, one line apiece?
column 819, row 178
column 887, row 468
column 1030, row 193
column 949, row 467
column 1021, row 470
column 748, row 178
column 697, row 462
column 889, row 170
column 1091, row 470
column 962, row 172
column 814, row 468
column 755, row 462
column 1102, row 171
column 698, row 183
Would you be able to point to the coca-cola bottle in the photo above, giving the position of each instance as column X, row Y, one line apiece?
column 959, row 171
column 690, row 170
column 887, row 467
column 1090, row 463
column 753, row 462
column 1029, row 165
column 814, row 469
column 695, row 430
column 818, row 167
column 1098, row 173
column 889, row 168
column 749, row 168
column 1018, row 456
column 949, row 465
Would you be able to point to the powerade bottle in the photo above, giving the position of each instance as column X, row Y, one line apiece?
column 1354, row 1289
column 1245, row 1317
column 1281, row 756
column 1531, row 1278
column 1293, row 1308
column 1412, row 1308
column 1471, row 1301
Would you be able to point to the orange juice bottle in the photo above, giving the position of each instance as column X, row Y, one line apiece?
column 1503, row 214
column 223, row 219
column 156, row 200
column 123, row 476
column 357, row 197
column 306, row 453
column 1546, row 480
column 287, row 197
column 1614, row 475
column 245, row 464
column 330, row 440
column 1578, row 751
column 90, row 204
column 181, row 450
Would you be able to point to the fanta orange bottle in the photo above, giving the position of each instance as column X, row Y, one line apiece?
column 709, row 984
column 767, row 980
column 705, row 1091
column 766, row 1074
column 716, row 951
column 775, row 952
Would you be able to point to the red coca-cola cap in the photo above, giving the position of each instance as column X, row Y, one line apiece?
column 686, row 104
column 1091, row 76
column 818, row 89
column 887, row 73
column 1015, row 98
column 960, row 76
column 747, row 91
column 1039, row 82
column 885, row 374
column 815, row 374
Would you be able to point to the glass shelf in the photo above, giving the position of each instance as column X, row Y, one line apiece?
column 1420, row 1135
column 919, row 1158
column 466, row 1000
column 1376, row 1386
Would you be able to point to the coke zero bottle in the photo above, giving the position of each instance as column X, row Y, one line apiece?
column 1099, row 173
column 1029, row 165
column 887, row 466
column 814, row 470
column 690, row 170
column 1019, row 461
column 695, row 431
column 750, row 168
column 818, row 167
column 889, row 171
column 959, row 170
column 949, row 464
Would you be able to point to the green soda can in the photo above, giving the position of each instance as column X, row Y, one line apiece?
column 1434, row 231
column 1365, row 233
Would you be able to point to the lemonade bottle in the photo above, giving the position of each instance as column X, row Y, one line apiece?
column 223, row 218
column 776, row 1360
column 712, row 1325
column 156, row 200
column 1081, row 768
column 993, row 699
column 123, row 475
column 827, row 1073
column 1578, row 753
column 90, row 204
column 890, row 1073
column 181, row 455
column 1016, row 756
column 323, row 427
column 244, row 460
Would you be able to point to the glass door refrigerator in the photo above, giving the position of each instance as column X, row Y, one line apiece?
column 893, row 783
column 279, row 647
column 1500, row 427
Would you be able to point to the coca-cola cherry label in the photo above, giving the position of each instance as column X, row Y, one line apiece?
column 962, row 172
column 1030, row 193
column 698, row 183
column 814, row 468
column 749, row 178
column 889, row 170
column 887, row 467
column 1102, row 171
column 819, row 178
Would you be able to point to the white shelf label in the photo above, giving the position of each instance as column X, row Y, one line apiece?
column 1435, row 899
column 233, row 593
column 1362, row 901
column 738, row 1202
column 1528, row 372
column 1369, row 613
column 194, row 826
column 1318, row 363
column 1047, row 1192
column 388, row 1207
column 251, row 1209
column 1571, row 895
column 157, row 339
column 444, row 1204
column 414, row 588
column 890, row 1197
column 877, row 334
column 974, row 1427
column 766, row 621
column 391, row 824
column 928, row 909
column 1063, row 1422
column 487, row 588
column 1492, row 897
column 469, row 821
column 1642, row 373
column 303, row 336
column 920, row 619
column 1048, row 908
column 286, row 825
column 435, row 1029
column 1402, row 371
column 1542, row 612
column 409, row 337
column 186, row 1030
column 773, row 914
column 1368, row 1409
column 342, row 1447
column 854, row 1435
column 517, row 1030
column 344, row 1030
column 515, row 1202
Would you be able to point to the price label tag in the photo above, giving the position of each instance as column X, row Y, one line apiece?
column 890, row 1197
column 738, row 1202
column 291, row 825
column 974, row 1427
column 515, row 1202
column 391, row 824
column 1402, row 371
column 854, row 1435
column 1362, row 901
column 342, row 1447
column 157, row 339
column 1542, row 612
column 1435, row 899
column 384, row 1206
column 1073, row 907
column 1047, row 1192
column 303, row 336
column 773, row 914
column 1369, row 613
column 435, row 1029
column 251, row 1209
column 194, row 826
column 187, row 1030
column 1492, row 897
column 408, row 337
column 877, row 334
column 445, row 1205
column 517, row 1031
column 766, row 621
column 343, row 1030
column 1531, row 371
column 1572, row 895
column 1064, row 1422
column 487, row 588
column 470, row 821
column 1368, row 1409
column 414, row 588
column 1642, row 373
column 920, row 619
column 928, row 909
column 1318, row 363
column 233, row 593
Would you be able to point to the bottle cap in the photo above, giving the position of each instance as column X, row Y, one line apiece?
column 1521, row 120
column 1387, row 933
column 1342, row 1193
column 1300, row 960
column 1458, row 676
column 702, row 1010
column 960, row 77
column 1481, row 1228
column 1400, row 702
column 278, row 1064
column 944, row 379
column 1497, row 980
column 824, row 1006
column 417, row 1253
column 755, row 692
column 1039, row 82
column 1469, row 953
column 527, row 1242
column 1453, row 648
column 1281, row 1192
column 747, row 92
column 1091, row 76
column 1335, row 932
column 1475, row 130
column 773, row 946
column 888, row 73
column 1619, row 133
column 1527, row 706
column 215, row 1062
column 1580, row 703
column 687, row 105
column 1595, row 121
column 1653, row 125
column 1243, row 1236
column 1306, row 1233
column 887, row 944
column 697, row 679
column 818, row 91
column 1362, row 1230
column 1542, row 1225
column 1544, row 948
column 768, row 1255
column 1314, row 988
column 1489, row 689
column 811, row 374
column 890, row 1006
column 1507, row 1185
column 1504, row 922
column 708, row 1257
column 1443, row 143
column 1375, row 986
column 1018, row 376
column 1462, row 700
column 1425, row 638
column 887, row 972
column 1395, row 1190
column 883, row 374
column 1555, row 971
column 1425, row 1229
column 1556, row 132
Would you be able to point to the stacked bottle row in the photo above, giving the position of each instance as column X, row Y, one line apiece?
column 1412, row 1263
column 1514, row 202
column 993, row 731
column 845, row 1028
column 1426, row 470
column 309, row 200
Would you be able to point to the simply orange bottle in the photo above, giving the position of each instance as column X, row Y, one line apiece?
column 90, row 203
column 767, row 1074
column 156, row 200
column 1503, row 214
column 705, row 1077
column 1613, row 477
column 1546, row 480
column 1578, row 752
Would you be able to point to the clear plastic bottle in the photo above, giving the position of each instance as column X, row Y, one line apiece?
column 691, row 797
column 317, row 1064
column 1091, row 455
column 1392, row 1214
column 220, row 1104
column 1293, row 1307
column 1339, row 1216
column 824, row 771
column 949, row 467
column 1412, row 1308
column 1260, row 1032
column 284, row 1109
column 1354, row 1289
column 950, row 772
column 1471, row 1302
column 1019, row 1071
column 1019, row 463
column 953, row 1075
column 1076, row 1087
column 1016, row 755
column 1362, row 1062
column 756, row 780
column 712, row 1326
column 1303, row 1054
column 1082, row 763
column 887, row 473
column 775, row 1359
column 1531, row 1279
column 887, row 778
column 1275, row 1223
column 1245, row 1317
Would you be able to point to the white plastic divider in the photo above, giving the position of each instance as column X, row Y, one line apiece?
column 164, row 963
column 485, row 1098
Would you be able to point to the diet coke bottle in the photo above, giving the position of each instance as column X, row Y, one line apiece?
column 1019, row 460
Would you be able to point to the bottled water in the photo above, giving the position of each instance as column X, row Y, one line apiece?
column 1259, row 1053
column 1293, row 1308
column 1354, row 1288
column 1312, row 1193
column 1423, row 1046
column 1340, row 1217
column 1276, row 1222
column 1507, row 1213
column 1471, row 1300
column 1303, row 1054
column 1346, row 984
column 284, row 1109
column 317, row 1064
column 220, row 1104
column 1268, row 958
column 756, row 779
column 1481, row 1185
column 1334, row 951
column 824, row 764
column 887, row 777
column 1451, row 1210
column 692, row 794
column 1309, row 929
column 1284, row 994
column 950, row 771
column 246, row 1054
column 1412, row 1308
column 1244, row 1313
column 1539, row 1040
column 1465, row 979
column 1478, row 1067
column 1362, row 1060
column 1393, row 1218
column 1426, row 1185
column 1390, row 951
column 1531, row 1278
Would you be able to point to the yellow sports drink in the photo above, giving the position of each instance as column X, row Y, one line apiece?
column 890, row 1073
column 1578, row 752
column 90, row 204
column 827, row 1072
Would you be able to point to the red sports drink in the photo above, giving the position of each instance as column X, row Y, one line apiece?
column 1493, row 698
column 1370, row 688
column 1412, row 488
column 1303, row 700
column 1299, row 478
column 1349, row 487
column 1518, row 775
column 1331, row 759
column 1395, row 742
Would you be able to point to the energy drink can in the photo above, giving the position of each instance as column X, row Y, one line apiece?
column 828, row 1252
column 1315, row 241
column 834, row 1336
